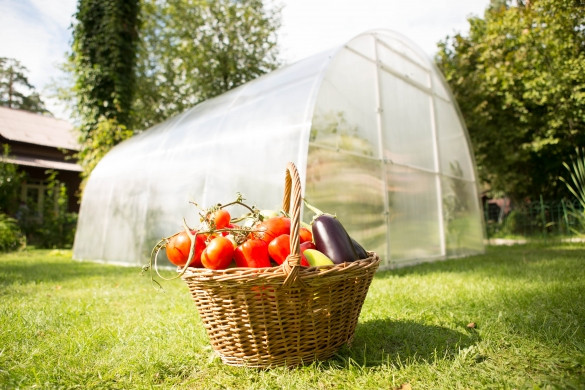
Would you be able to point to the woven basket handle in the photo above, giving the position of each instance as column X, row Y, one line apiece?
column 291, row 204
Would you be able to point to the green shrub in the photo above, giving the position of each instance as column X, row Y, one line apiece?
column 517, row 223
column 10, row 182
column 56, row 231
column 11, row 238
column 55, row 228
column 576, row 185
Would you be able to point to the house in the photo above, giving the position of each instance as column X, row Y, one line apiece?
column 39, row 143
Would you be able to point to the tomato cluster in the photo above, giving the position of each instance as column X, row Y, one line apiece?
column 222, row 243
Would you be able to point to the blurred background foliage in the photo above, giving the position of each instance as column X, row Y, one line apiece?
column 519, row 79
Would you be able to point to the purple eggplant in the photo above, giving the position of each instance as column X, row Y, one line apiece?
column 359, row 250
column 331, row 239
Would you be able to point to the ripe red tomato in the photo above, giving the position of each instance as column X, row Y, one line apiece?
column 229, row 226
column 279, row 249
column 272, row 228
column 305, row 235
column 221, row 218
column 306, row 245
column 218, row 254
column 178, row 247
column 252, row 253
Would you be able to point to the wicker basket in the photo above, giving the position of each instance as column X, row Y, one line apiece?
column 286, row 315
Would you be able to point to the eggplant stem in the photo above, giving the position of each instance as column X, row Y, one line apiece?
column 316, row 211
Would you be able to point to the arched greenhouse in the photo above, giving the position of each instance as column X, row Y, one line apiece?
column 371, row 126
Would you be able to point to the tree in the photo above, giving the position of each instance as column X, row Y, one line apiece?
column 192, row 50
column 138, row 62
column 519, row 79
column 103, row 59
column 15, row 89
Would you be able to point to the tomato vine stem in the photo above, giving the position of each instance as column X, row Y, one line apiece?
column 240, row 234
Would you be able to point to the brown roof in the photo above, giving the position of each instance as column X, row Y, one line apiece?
column 28, row 127
column 41, row 162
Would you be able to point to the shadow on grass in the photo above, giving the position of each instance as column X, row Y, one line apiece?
column 44, row 267
column 523, row 261
column 397, row 343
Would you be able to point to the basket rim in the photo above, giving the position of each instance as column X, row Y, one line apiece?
column 271, row 272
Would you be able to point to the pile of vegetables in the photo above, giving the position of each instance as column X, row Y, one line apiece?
column 256, row 239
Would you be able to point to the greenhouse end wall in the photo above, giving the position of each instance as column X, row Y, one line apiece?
column 390, row 154
column 371, row 126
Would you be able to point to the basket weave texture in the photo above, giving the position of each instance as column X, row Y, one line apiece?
column 286, row 315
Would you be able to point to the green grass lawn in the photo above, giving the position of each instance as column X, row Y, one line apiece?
column 65, row 324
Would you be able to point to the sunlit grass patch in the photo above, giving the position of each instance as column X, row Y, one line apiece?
column 512, row 318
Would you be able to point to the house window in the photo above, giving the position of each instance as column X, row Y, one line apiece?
column 34, row 195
